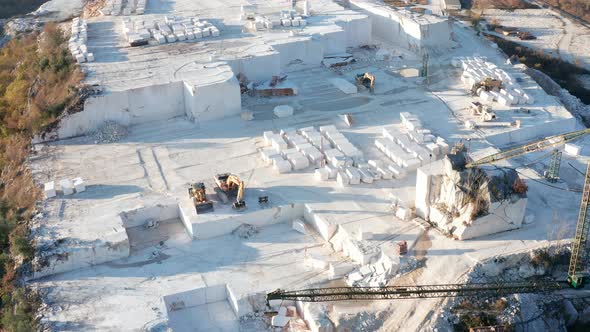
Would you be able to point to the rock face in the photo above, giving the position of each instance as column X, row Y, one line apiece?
column 473, row 202
column 571, row 314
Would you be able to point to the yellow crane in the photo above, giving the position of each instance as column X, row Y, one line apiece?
column 530, row 147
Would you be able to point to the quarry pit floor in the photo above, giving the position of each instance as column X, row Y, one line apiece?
column 156, row 161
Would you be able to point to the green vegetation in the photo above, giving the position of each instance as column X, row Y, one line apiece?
column 9, row 8
column 563, row 73
column 38, row 81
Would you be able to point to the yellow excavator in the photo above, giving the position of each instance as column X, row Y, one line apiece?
column 488, row 84
column 197, row 193
column 367, row 80
column 229, row 184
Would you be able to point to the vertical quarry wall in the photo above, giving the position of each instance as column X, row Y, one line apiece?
column 404, row 28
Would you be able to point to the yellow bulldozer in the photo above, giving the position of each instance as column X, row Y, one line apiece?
column 197, row 193
column 367, row 80
column 231, row 185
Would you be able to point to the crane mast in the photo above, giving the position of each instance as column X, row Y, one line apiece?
column 576, row 274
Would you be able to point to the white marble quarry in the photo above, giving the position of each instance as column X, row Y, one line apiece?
column 436, row 188
column 404, row 28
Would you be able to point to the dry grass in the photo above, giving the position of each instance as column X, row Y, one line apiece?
column 38, row 82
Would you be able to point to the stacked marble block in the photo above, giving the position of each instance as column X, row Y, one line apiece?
column 411, row 148
column 122, row 7
column 78, row 40
column 477, row 69
column 290, row 150
column 68, row 187
column 290, row 18
column 171, row 30
column 287, row 19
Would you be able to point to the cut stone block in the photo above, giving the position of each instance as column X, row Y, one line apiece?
column 79, row 185
column 67, row 187
column 49, row 189
column 280, row 321
column 322, row 174
column 572, row 149
column 354, row 177
column 299, row 226
column 344, row 86
column 282, row 166
column 342, row 179
column 332, row 171
column 385, row 174
column 366, row 177
column 282, row 111
column 299, row 162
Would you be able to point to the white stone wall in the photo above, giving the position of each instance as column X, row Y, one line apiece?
column 128, row 107
column 402, row 29
column 82, row 255
column 310, row 51
column 212, row 101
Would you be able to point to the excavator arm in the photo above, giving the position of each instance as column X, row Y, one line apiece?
column 232, row 182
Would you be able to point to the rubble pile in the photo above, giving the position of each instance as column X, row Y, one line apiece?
column 110, row 132
column 375, row 274
column 245, row 231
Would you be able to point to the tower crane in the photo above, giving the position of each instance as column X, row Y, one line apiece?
column 576, row 276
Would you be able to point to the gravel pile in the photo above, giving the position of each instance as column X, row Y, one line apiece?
column 110, row 132
column 245, row 231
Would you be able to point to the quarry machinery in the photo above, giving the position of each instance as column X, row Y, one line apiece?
column 530, row 147
column 197, row 194
column 367, row 80
column 488, row 84
column 483, row 111
column 576, row 276
column 229, row 184
column 329, row 294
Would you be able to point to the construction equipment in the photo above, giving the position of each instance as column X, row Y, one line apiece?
column 552, row 175
column 531, row 147
column 229, row 184
column 414, row 292
column 197, row 193
column 483, row 111
column 488, row 84
column 367, row 80
column 576, row 275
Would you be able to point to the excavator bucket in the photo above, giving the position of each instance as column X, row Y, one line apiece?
column 239, row 205
column 204, row 207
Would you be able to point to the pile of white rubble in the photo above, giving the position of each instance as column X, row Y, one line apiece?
column 477, row 69
column 171, row 30
column 410, row 148
column 123, row 7
column 376, row 274
column 78, row 40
